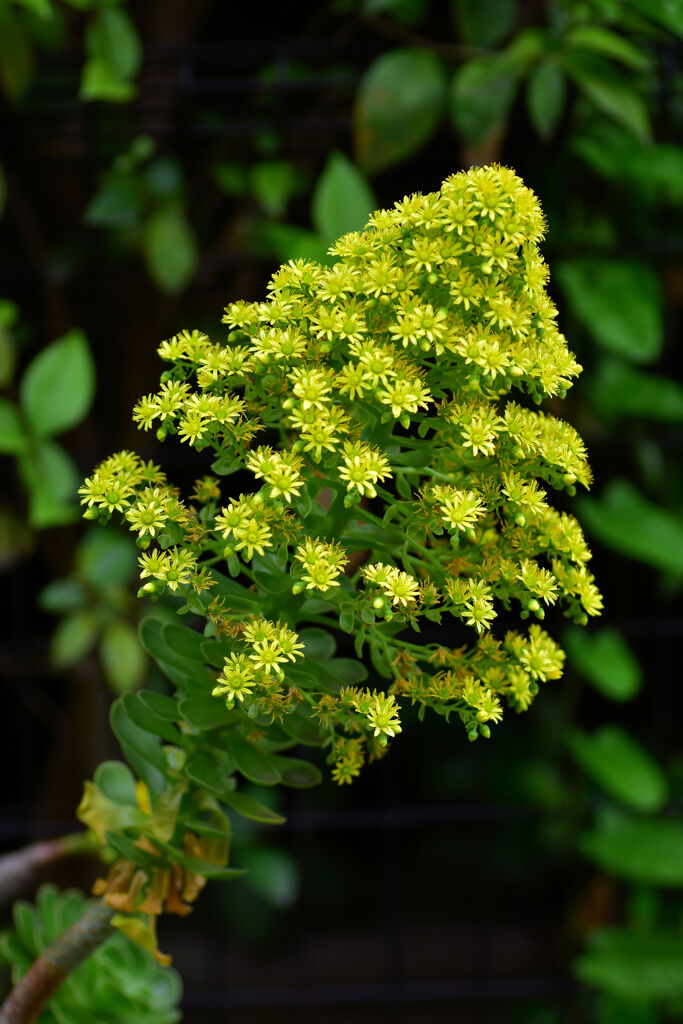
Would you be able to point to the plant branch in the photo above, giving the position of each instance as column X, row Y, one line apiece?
column 17, row 868
column 43, row 978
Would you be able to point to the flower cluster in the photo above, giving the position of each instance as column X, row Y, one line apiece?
column 386, row 406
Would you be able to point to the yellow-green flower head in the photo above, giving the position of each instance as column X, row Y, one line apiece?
column 386, row 410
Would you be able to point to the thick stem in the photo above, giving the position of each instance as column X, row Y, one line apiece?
column 17, row 868
column 29, row 996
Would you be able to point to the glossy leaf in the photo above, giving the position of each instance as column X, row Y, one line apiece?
column 161, row 705
column 205, row 712
column 297, row 773
column 399, row 104
column 252, row 762
column 620, row 767
column 142, row 749
column 619, row 302
column 625, row 521
column 116, row 781
column 146, row 719
column 58, row 386
column 205, row 771
column 606, row 661
column 185, row 642
column 318, row 643
column 252, row 809
column 342, row 199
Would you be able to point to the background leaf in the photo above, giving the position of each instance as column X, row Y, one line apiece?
column 342, row 199
column 170, row 249
column 647, row 851
column 619, row 302
column 604, row 658
column 482, row 91
column 545, row 95
column 13, row 437
column 58, row 387
column 620, row 767
column 123, row 659
column 484, row 22
column 634, row 965
column 617, row 389
column 398, row 106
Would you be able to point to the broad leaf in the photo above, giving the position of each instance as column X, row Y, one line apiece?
column 399, row 103
column 251, row 761
column 170, row 249
column 342, row 200
column 123, row 659
column 620, row 767
column 58, row 386
column 545, row 95
column 606, row 661
column 634, row 965
column 645, row 851
column 484, row 22
column 619, row 302
column 252, row 809
column 13, row 437
column 611, row 91
column 625, row 521
column 482, row 92
column 617, row 389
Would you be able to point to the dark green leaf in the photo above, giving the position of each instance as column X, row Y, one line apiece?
column 252, row 762
column 482, row 91
column 146, row 719
column 347, row 618
column 611, row 91
column 161, row 705
column 62, row 596
column 214, row 652
column 142, row 749
column 152, row 637
column 646, row 851
column 610, row 44
column 620, row 767
column 545, row 95
column 342, row 199
column 16, row 54
column 484, row 22
column 170, row 249
column 106, row 558
column 348, row 671
column 634, row 965
column 205, row 712
column 667, row 13
column 297, row 773
column 123, row 659
column 13, row 437
column 58, row 386
column 625, row 521
column 273, row 874
column 272, row 582
column 302, row 727
column 118, row 204
column 619, row 302
column 116, row 781
column 605, row 660
column 194, row 864
column 205, row 771
column 318, row 643
column 273, row 183
column 252, row 809
column 185, row 642
column 126, row 848
column 399, row 104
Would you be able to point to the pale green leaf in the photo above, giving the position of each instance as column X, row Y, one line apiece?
column 342, row 199
column 634, row 965
column 122, row 656
column 13, row 438
column 170, row 249
column 621, row 767
column 58, row 387
column 606, row 661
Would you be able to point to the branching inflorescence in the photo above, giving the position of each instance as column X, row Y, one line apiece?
column 383, row 406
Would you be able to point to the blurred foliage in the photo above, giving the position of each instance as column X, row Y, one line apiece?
column 583, row 99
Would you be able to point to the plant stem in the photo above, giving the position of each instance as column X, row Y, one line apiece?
column 17, row 868
column 43, row 978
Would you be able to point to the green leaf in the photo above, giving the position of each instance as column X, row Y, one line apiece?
column 205, row 712
column 13, row 438
column 545, row 95
column 620, row 767
column 639, row 850
column 347, row 618
column 205, row 771
column 152, row 637
column 161, row 705
column 482, row 92
column 3, row 191
column 106, row 557
column 73, row 638
column 273, row 183
column 667, row 13
column 101, row 814
column 26, row 925
column 170, row 249
column 99, row 82
column 342, row 199
column 251, row 761
column 146, row 719
column 118, row 204
column 634, row 965
column 62, row 596
column 297, row 773
column 318, row 643
column 625, row 521
column 252, row 809
column 116, row 781
column 610, row 44
column 16, row 54
column 288, row 242
column 302, row 727
column 126, row 848
column 399, row 104
column 609, row 90
column 142, row 749
column 58, row 386
column 123, row 659
column 619, row 302
column 51, row 478
column 112, row 38
column 484, row 22
column 184, row 641
column 273, row 874
column 195, row 864
column 605, row 660
column 617, row 389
